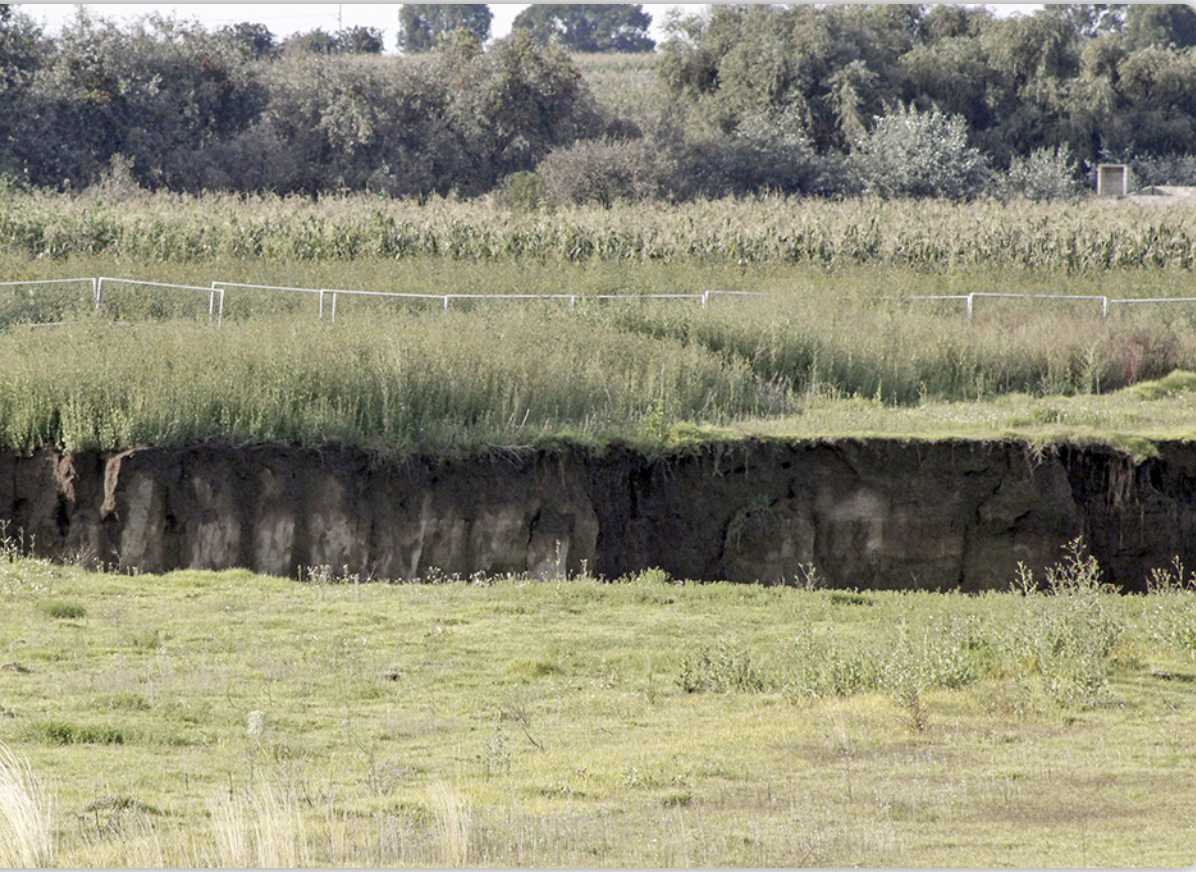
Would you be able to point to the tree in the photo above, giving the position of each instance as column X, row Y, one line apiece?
column 312, row 42
column 1163, row 25
column 256, row 39
column 512, row 105
column 1090, row 19
column 156, row 94
column 352, row 40
column 23, row 51
column 359, row 40
column 589, row 27
column 831, row 67
column 423, row 25
column 918, row 154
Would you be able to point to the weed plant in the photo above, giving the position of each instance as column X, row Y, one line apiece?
column 643, row 721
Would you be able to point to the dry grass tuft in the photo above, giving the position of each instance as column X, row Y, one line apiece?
column 25, row 832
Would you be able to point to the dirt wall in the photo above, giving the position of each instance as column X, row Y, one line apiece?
column 865, row 513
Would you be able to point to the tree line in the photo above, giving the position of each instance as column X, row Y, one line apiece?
column 837, row 100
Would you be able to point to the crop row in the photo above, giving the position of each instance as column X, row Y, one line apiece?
column 932, row 236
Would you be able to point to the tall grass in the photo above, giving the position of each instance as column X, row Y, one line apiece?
column 427, row 382
column 26, row 833
column 388, row 378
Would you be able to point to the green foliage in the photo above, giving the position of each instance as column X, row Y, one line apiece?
column 915, row 154
column 726, row 668
column 155, row 96
column 1070, row 632
column 255, row 39
column 602, row 172
column 422, row 26
column 750, row 98
column 1047, row 174
column 64, row 609
column 514, row 104
column 523, row 192
column 67, row 732
column 1160, row 24
column 589, row 27
column 353, row 40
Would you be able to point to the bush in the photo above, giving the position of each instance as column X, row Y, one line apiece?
column 769, row 151
column 1047, row 174
column 64, row 610
column 1172, row 169
column 918, row 154
column 602, row 172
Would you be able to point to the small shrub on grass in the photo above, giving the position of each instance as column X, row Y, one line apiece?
column 1067, row 631
column 64, row 732
column 727, row 668
column 64, row 610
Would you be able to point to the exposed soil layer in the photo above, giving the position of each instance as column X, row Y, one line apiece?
column 864, row 513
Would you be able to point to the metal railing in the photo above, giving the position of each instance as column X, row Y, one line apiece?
column 32, row 282
column 328, row 297
column 213, row 293
column 332, row 295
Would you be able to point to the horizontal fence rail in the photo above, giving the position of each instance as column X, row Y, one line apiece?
column 328, row 297
column 214, row 293
column 94, row 283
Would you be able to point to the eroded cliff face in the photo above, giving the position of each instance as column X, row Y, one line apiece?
column 864, row 513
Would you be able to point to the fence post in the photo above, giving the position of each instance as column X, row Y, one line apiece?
column 446, row 299
column 333, row 307
column 969, row 307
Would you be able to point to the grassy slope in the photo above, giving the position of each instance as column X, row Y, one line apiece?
column 517, row 723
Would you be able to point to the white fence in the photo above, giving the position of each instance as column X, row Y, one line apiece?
column 332, row 294
column 328, row 297
column 41, row 283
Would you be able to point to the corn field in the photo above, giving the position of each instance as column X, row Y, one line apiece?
column 926, row 235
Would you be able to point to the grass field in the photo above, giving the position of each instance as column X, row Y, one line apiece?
column 822, row 353
column 229, row 719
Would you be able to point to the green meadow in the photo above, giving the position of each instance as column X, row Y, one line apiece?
column 237, row 720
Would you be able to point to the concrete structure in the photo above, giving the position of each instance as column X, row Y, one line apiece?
column 1112, row 180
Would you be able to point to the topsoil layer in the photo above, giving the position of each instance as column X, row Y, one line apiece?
column 862, row 513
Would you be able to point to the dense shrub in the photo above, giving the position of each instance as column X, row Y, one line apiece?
column 918, row 154
column 1047, row 174
column 602, row 171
